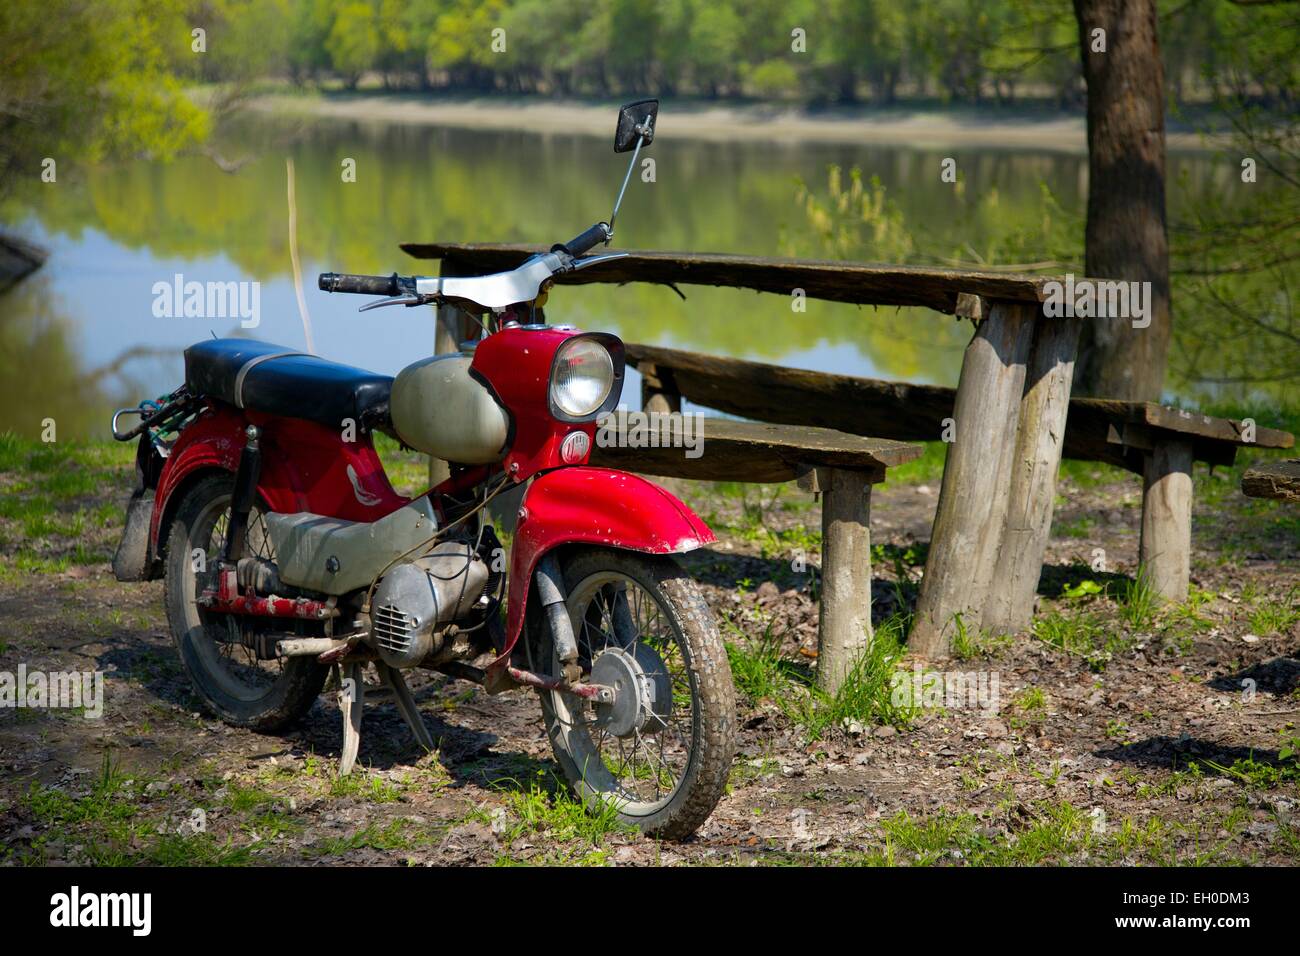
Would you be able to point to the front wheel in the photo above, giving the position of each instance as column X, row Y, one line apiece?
column 659, row 755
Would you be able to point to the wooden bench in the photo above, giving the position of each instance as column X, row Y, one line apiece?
column 1154, row 441
column 841, row 467
column 1274, row 479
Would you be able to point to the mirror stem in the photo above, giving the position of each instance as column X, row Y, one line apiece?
column 619, row 201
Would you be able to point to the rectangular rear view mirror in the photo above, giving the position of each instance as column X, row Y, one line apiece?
column 636, row 120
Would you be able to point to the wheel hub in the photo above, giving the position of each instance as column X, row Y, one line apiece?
column 642, row 691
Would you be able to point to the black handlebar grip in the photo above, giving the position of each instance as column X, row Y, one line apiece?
column 362, row 285
column 588, row 240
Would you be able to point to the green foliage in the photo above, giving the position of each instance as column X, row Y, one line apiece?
column 955, row 50
column 79, row 81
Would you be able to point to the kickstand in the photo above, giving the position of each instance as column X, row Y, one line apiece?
column 352, row 699
column 406, row 704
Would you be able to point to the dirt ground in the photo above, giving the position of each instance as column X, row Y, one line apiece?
column 1123, row 733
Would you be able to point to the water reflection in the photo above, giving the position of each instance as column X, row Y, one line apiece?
column 84, row 335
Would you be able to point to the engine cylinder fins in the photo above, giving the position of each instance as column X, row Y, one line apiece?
column 416, row 600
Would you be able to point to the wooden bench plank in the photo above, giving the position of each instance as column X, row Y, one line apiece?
column 742, row 451
column 907, row 412
column 1273, row 479
column 854, row 282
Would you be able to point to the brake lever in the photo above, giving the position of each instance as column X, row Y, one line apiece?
column 586, row 261
column 407, row 300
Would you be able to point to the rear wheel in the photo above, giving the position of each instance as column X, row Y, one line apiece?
column 659, row 756
column 264, row 695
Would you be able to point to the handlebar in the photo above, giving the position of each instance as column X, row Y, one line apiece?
column 362, row 285
column 579, row 245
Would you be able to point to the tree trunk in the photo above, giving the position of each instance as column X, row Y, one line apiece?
column 1126, row 237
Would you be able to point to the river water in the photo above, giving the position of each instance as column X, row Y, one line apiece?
column 84, row 334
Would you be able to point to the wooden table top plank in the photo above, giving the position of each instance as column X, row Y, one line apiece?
column 854, row 282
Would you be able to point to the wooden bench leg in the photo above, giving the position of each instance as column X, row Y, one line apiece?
column 973, row 498
column 844, row 630
column 1166, row 549
column 1037, row 460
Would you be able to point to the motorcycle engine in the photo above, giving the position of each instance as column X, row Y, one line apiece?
column 417, row 599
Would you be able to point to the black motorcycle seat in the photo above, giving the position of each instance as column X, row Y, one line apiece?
column 280, row 381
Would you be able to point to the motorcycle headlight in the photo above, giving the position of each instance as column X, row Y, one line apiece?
column 581, row 378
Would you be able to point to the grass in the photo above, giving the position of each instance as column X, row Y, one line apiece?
column 1083, row 633
column 109, row 828
column 399, row 834
column 408, row 471
column 762, row 672
column 928, row 468
column 1049, row 833
column 1276, row 615
column 365, row 787
column 970, row 643
column 55, row 498
column 1138, row 600
column 544, row 807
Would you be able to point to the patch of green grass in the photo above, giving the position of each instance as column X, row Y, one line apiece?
column 110, row 799
column 1030, row 700
column 747, row 771
column 1080, row 527
column 926, row 469
column 398, row 834
column 545, row 807
column 866, row 696
column 110, row 828
column 1138, row 601
column 1276, row 615
column 969, row 643
column 1057, row 832
column 758, row 668
column 1264, row 774
column 1091, row 474
column 1083, row 633
column 408, row 471
column 366, row 787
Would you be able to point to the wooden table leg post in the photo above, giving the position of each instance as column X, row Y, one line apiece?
column 658, row 390
column 1165, row 552
column 450, row 330
column 1037, row 460
column 844, row 628
column 973, row 498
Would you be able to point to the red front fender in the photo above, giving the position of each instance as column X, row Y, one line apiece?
column 599, row 506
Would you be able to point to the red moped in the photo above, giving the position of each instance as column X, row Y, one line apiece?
column 287, row 555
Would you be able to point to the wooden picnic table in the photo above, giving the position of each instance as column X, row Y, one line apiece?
column 995, row 505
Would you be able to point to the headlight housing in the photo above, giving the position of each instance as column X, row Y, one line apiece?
column 586, row 377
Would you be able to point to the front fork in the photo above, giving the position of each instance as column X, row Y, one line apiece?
column 550, row 591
